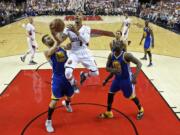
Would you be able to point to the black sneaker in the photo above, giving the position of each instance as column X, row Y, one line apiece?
column 32, row 62
column 22, row 59
column 140, row 114
column 143, row 58
column 129, row 42
column 150, row 64
column 83, row 77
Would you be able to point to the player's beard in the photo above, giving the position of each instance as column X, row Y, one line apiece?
column 78, row 22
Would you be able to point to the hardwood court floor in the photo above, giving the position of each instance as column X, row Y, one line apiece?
column 13, row 36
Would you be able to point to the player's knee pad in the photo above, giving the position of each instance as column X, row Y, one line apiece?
column 94, row 73
column 68, row 73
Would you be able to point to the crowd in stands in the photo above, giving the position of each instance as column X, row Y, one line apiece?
column 9, row 12
column 166, row 13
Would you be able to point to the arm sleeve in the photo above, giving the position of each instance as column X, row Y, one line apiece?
column 85, row 35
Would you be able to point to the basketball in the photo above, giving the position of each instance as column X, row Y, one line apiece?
column 58, row 25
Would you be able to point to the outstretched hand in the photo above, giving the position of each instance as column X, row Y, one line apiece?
column 72, row 28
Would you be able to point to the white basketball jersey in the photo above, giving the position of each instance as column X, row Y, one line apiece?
column 76, row 42
column 30, row 28
column 126, row 24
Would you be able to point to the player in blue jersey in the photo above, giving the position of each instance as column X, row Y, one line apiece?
column 148, row 43
column 118, row 64
column 117, row 41
column 61, row 87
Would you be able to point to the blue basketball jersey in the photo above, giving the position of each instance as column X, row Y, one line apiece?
column 122, row 81
column 147, row 32
column 125, row 67
column 148, row 39
column 57, row 60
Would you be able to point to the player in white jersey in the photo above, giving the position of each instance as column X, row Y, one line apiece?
column 125, row 27
column 32, row 44
column 79, row 36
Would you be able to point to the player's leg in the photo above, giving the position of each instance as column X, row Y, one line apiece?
column 146, row 46
column 69, row 68
column 23, row 58
column 149, row 53
column 89, row 63
column 56, row 95
column 33, row 51
column 68, row 92
column 140, row 113
column 145, row 55
column 125, row 35
column 48, row 122
column 128, row 90
column 150, row 57
column 110, row 98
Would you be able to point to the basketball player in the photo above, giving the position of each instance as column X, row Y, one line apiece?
column 32, row 44
column 119, row 64
column 148, row 43
column 79, row 36
column 60, row 85
column 125, row 27
column 122, row 44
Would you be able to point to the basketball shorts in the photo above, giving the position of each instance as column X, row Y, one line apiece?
column 147, row 44
column 61, row 87
column 122, row 85
column 32, row 44
column 82, row 56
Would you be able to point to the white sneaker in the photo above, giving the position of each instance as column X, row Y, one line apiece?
column 68, row 107
column 77, row 91
column 49, row 127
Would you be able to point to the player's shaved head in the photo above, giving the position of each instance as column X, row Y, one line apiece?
column 126, row 15
column 146, row 23
column 30, row 20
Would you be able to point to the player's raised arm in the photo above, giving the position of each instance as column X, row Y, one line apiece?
column 130, row 58
column 49, row 42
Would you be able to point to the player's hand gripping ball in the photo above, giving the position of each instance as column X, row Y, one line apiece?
column 57, row 25
column 117, row 66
